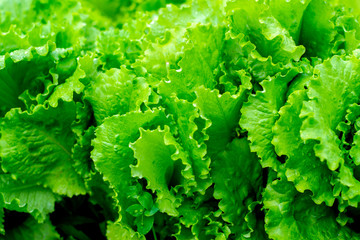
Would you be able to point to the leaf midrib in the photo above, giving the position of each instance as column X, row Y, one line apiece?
column 53, row 140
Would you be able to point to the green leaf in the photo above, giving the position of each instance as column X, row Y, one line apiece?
column 292, row 215
column 135, row 210
column 117, row 91
column 25, row 72
column 199, row 12
column 200, row 222
column 355, row 150
column 290, row 15
column 37, row 147
column 119, row 230
column 318, row 31
column 240, row 52
column 151, row 211
column 346, row 187
column 146, row 200
column 255, row 20
column 157, row 154
column 112, row 44
column 161, row 55
column 66, row 90
column 81, row 152
column 191, row 130
column 144, row 224
column 351, row 30
column 333, row 91
column 27, row 197
column 334, row 88
column 113, row 156
column 196, row 68
column 101, row 193
column 303, row 168
column 260, row 113
column 255, row 223
column 224, row 113
column 11, row 40
column 349, row 125
column 236, row 162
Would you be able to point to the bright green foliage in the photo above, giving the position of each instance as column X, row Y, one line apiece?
column 27, row 197
column 116, row 91
column 37, row 146
column 302, row 167
column 118, row 231
column 223, row 111
column 157, row 163
column 260, row 113
column 291, row 215
column 180, row 119
column 236, row 197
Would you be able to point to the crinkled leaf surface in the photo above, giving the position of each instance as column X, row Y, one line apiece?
column 303, row 168
column 156, row 162
column 117, row 91
column 259, row 114
column 224, row 113
column 41, row 150
column 236, row 162
column 27, row 197
column 291, row 215
column 113, row 156
column 330, row 94
column 185, row 119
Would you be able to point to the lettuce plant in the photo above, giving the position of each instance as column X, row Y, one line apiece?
column 175, row 119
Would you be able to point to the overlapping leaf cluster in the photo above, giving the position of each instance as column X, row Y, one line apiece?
column 175, row 119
